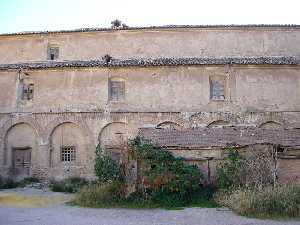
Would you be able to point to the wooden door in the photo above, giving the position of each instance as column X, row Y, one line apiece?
column 22, row 162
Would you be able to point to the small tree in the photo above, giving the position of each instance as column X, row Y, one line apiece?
column 228, row 174
column 106, row 168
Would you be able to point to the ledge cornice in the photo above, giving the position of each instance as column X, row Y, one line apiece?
column 153, row 62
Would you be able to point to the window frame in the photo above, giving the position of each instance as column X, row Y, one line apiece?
column 116, row 90
column 53, row 50
column 213, row 80
column 68, row 153
column 27, row 92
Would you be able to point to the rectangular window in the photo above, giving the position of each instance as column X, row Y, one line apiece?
column 116, row 90
column 68, row 153
column 27, row 91
column 217, row 88
column 53, row 52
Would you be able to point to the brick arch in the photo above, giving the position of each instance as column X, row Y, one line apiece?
column 111, row 124
column 216, row 123
column 204, row 119
column 271, row 124
column 59, row 121
column 10, row 123
column 112, row 138
column 169, row 124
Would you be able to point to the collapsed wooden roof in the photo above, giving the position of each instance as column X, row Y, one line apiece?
column 221, row 137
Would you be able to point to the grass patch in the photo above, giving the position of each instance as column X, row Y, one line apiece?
column 18, row 200
column 69, row 185
column 282, row 201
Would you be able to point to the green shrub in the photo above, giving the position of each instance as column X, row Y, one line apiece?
column 228, row 173
column 106, row 169
column 167, row 179
column 30, row 180
column 99, row 194
column 278, row 201
column 69, row 185
column 6, row 183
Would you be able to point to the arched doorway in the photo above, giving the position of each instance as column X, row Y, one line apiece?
column 20, row 150
column 112, row 139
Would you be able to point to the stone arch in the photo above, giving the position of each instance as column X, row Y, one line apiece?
column 69, row 135
column 168, row 125
column 113, row 136
column 61, row 120
column 10, row 123
column 218, row 123
column 271, row 124
column 20, row 138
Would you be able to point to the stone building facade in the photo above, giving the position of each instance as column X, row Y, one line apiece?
column 64, row 92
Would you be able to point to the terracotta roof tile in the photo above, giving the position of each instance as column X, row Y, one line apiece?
column 221, row 137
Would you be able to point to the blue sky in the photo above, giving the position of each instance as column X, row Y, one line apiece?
column 34, row 15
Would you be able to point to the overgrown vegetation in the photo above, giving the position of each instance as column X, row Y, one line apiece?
column 245, row 184
column 100, row 194
column 268, row 202
column 248, row 187
column 228, row 174
column 163, row 181
column 7, row 183
column 69, row 185
column 106, row 169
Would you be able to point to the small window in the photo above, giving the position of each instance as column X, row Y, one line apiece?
column 53, row 52
column 217, row 88
column 68, row 153
column 116, row 90
column 27, row 91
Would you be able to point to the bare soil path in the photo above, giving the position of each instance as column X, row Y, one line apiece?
column 58, row 213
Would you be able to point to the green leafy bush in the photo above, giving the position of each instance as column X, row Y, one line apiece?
column 69, row 185
column 106, row 169
column 6, row 183
column 228, row 173
column 99, row 194
column 278, row 201
column 166, row 179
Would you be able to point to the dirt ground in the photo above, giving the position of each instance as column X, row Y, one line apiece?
column 29, row 206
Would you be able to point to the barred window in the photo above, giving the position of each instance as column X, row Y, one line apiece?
column 27, row 91
column 116, row 90
column 68, row 153
column 53, row 52
column 217, row 89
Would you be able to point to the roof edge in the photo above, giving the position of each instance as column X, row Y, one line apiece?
column 292, row 26
column 154, row 62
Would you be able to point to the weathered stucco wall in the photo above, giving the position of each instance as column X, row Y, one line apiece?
column 156, row 89
column 189, row 42
column 71, row 106
column 49, row 131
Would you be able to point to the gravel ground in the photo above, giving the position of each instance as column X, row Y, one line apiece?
column 61, row 214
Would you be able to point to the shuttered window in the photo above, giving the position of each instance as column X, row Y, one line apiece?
column 27, row 92
column 217, row 89
column 116, row 90
column 53, row 52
